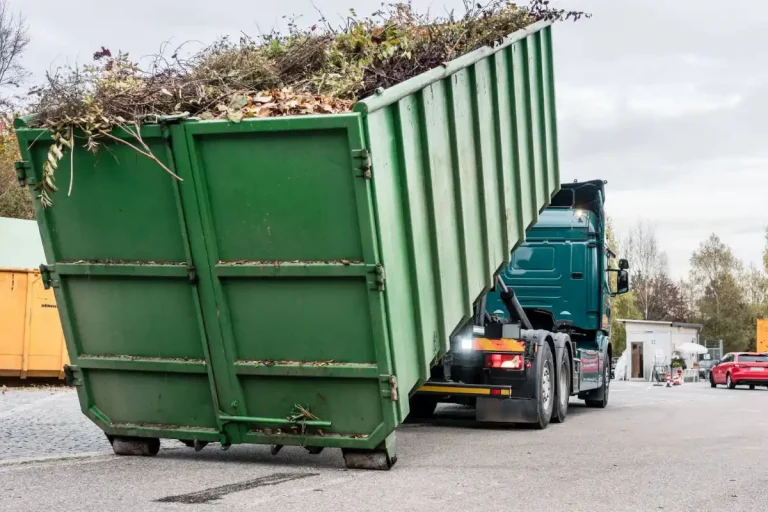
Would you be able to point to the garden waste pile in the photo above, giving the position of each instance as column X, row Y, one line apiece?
column 320, row 69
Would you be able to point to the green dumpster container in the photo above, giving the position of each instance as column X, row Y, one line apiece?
column 295, row 287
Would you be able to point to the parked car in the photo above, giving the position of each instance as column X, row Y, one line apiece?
column 741, row 369
column 705, row 367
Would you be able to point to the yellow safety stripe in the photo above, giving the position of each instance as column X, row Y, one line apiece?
column 453, row 390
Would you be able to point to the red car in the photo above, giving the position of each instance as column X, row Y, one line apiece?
column 740, row 369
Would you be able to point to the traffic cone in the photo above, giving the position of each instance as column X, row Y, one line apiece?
column 669, row 383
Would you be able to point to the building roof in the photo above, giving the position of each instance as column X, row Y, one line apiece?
column 20, row 244
column 698, row 327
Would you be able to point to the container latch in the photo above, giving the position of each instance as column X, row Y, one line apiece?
column 72, row 376
column 366, row 165
column 46, row 272
column 22, row 173
column 392, row 393
column 381, row 277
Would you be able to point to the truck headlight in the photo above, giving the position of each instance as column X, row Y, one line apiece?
column 466, row 343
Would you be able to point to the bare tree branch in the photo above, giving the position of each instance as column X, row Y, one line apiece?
column 14, row 38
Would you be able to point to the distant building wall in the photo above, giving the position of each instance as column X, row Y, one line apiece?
column 20, row 244
column 658, row 341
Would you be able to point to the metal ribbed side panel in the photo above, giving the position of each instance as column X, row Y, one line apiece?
column 471, row 159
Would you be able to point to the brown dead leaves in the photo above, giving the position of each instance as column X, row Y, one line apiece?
column 277, row 103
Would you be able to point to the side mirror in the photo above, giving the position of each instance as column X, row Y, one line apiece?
column 623, row 264
column 622, row 282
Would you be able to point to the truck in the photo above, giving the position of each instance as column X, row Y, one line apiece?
column 295, row 281
column 542, row 334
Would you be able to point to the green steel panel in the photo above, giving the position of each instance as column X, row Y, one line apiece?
column 316, row 319
column 321, row 261
column 351, row 406
column 133, row 316
column 153, row 398
column 291, row 238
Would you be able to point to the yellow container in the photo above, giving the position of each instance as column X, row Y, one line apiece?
column 31, row 339
column 762, row 335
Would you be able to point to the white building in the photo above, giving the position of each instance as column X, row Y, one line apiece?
column 652, row 343
column 20, row 244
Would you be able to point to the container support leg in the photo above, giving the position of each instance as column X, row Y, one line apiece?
column 381, row 458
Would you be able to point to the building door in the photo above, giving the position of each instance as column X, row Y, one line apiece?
column 637, row 360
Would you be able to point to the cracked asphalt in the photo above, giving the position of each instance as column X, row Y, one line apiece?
column 688, row 448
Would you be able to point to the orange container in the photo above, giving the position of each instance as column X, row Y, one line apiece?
column 31, row 339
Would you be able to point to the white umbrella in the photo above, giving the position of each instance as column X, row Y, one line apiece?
column 692, row 348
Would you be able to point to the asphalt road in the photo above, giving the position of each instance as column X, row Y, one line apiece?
column 688, row 448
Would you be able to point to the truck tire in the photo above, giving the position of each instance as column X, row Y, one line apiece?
column 545, row 387
column 563, row 394
column 422, row 407
column 601, row 403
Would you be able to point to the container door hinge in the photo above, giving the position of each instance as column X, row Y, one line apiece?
column 47, row 274
column 391, row 393
column 381, row 277
column 73, row 375
column 24, row 173
column 364, row 165
column 192, row 274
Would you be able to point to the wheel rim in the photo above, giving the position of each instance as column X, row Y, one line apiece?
column 728, row 379
column 546, row 387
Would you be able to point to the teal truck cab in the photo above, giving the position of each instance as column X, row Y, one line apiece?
column 543, row 333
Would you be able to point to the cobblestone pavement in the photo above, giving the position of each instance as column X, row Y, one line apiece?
column 46, row 422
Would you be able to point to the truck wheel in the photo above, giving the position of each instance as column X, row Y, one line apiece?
column 422, row 407
column 602, row 403
column 560, row 409
column 545, row 388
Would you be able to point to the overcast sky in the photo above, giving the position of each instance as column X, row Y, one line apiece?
column 667, row 100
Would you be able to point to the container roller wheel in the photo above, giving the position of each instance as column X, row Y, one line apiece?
column 378, row 460
column 136, row 446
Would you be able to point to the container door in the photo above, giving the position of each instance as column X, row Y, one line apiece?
column 126, row 287
column 291, row 277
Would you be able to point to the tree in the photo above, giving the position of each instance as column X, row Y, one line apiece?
column 754, row 282
column 622, row 306
column 709, row 264
column 765, row 252
column 720, row 300
column 15, row 201
column 648, row 270
column 14, row 38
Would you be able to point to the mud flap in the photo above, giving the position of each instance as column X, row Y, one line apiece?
column 494, row 410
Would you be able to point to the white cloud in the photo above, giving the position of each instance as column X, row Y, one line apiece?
column 676, row 100
column 724, row 197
